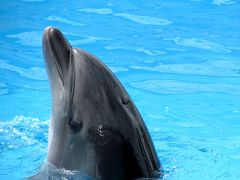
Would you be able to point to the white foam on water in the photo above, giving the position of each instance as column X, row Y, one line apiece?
column 23, row 144
column 22, row 131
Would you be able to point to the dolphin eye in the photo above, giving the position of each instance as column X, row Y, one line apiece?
column 75, row 126
column 124, row 100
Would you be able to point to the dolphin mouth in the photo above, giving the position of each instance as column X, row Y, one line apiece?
column 57, row 52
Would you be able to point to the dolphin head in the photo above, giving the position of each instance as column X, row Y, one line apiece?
column 92, row 114
column 85, row 93
column 80, row 83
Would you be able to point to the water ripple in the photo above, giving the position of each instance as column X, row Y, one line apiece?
column 88, row 40
column 63, row 20
column 118, row 69
column 201, row 44
column 35, row 73
column 138, row 49
column 147, row 20
column 210, row 68
column 97, row 11
column 223, row 2
column 31, row 38
column 33, row 0
column 34, row 38
column 3, row 89
column 2, row 85
column 176, row 87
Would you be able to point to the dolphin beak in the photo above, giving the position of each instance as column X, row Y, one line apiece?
column 57, row 51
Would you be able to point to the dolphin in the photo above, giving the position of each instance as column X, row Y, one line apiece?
column 95, row 127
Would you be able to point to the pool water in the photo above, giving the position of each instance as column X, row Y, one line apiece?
column 179, row 61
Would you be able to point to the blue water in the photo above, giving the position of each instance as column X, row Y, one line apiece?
column 179, row 61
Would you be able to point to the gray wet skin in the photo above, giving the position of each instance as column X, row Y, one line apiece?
column 95, row 127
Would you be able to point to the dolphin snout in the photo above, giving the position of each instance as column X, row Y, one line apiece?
column 56, row 50
column 55, row 40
